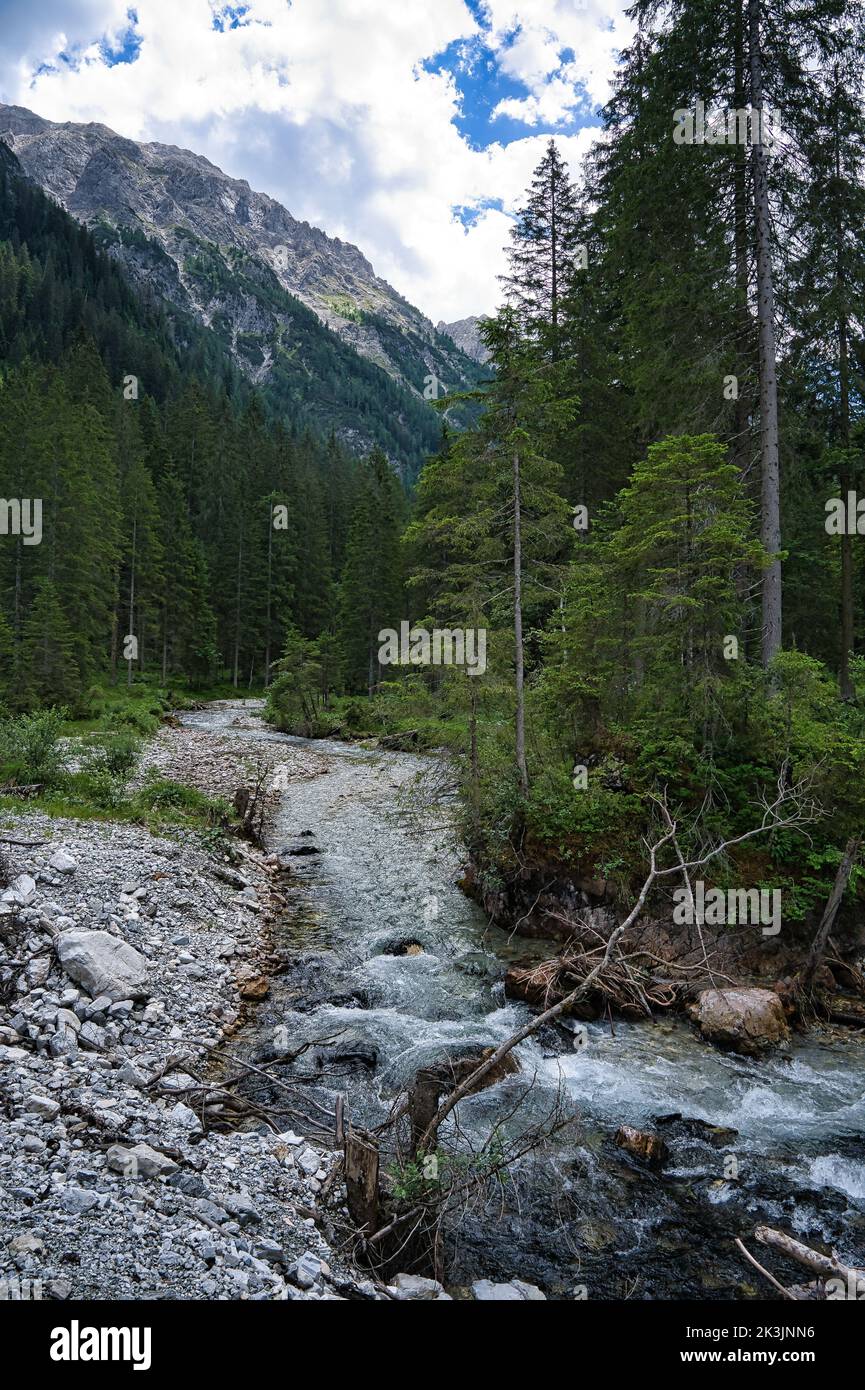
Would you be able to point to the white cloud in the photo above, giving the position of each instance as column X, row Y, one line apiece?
column 328, row 108
column 530, row 36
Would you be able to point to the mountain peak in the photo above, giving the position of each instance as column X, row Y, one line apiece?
column 215, row 248
column 465, row 333
column 192, row 210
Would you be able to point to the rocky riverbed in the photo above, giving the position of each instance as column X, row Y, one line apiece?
column 125, row 958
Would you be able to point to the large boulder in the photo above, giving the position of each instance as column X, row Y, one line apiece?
column 103, row 964
column 750, row 1021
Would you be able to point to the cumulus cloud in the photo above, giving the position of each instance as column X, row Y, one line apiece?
column 338, row 110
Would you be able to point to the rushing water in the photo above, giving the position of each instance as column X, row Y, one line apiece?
column 584, row 1215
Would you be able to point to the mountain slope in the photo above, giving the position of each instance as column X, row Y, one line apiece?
column 302, row 314
column 465, row 333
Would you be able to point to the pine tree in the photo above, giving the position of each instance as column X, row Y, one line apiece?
column 654, row 610
column 492, row 532
column 826, row 300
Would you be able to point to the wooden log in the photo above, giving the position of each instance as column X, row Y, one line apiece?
column 361, row 1181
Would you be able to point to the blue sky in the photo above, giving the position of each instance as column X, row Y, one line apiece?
column 408, row 127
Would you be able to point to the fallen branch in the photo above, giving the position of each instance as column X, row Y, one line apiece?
column 827, row 1266
column 827, row 921
column 470, row 1082
column 785, row 1293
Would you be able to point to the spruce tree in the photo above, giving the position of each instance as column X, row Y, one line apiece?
column 544, row 253
column 49, row 674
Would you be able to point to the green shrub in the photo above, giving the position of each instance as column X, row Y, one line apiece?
column 176, row 801
column 116, row 757
column 143, row 719
column 31, row 747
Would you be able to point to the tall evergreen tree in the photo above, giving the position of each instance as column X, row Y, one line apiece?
column 371, row 591
column 544, row 253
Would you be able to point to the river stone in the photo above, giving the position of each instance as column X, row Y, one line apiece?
column 407, row 1288
column 642, row 1144
column 43, row 1106
column 749, row 1021
column 305, row 1271
column 103, row 964
column 79, row 1200
column 141, row 1161
column 516, row 1292
column 21, row 891
column 30, row 1243
column 62, row 863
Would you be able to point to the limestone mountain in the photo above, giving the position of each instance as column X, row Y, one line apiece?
column 302, row 314
column 465, row 334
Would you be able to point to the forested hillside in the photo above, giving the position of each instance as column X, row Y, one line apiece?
column 176, row 509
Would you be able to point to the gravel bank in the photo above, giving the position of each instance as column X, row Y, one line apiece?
column 109, row 1188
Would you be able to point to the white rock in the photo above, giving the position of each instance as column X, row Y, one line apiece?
column 21, row 891
column 41, row 1105
column 141, row 1161
column 412, row 1287
column 62, row 863
column 103, row 964
column 485, row 1291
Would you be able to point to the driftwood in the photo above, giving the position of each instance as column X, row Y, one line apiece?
column 622, row 985
column 827, row 1266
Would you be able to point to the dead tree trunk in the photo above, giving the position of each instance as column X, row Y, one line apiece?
column 522, row 769
column 361, row 1181
column 423, row 1105
column 830, row 912
column 771, row 481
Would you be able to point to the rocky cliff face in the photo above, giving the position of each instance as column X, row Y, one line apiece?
column 465, row 333
column 235, row 258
